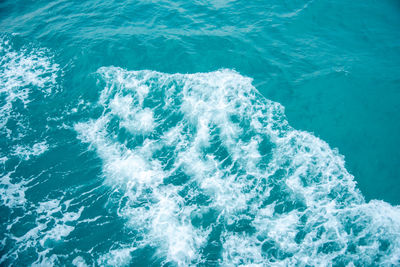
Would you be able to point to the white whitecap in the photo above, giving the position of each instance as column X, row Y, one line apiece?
column 208, row 161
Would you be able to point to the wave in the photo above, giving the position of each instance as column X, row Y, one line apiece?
column 208, row 171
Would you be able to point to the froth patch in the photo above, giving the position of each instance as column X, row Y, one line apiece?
column 116, row 257
column 26, row 152
column 24, row 72
column 207, row 171
column 53, row 221
column 12, row 194
column 79, row 262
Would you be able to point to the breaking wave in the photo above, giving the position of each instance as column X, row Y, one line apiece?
column 207, row 171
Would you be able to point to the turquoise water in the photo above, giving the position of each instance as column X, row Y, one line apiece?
column 211, row 133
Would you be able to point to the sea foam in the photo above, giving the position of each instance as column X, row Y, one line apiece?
column 21, row 70
column 209, row 171
column 27, row 74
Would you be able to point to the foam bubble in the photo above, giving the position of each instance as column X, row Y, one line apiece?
column 209, row 171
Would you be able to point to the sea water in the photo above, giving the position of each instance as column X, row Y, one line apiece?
column 210, row 133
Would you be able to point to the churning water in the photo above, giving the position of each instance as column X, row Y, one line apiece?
column 149, row 133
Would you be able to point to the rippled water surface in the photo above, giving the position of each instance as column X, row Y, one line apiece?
column 211, row 133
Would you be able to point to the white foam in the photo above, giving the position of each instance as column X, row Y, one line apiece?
column 53, row 223
column 12, row 194
column 79, row 262
column 213, row 145
column 116, row 257
column 21, row 71
column 26, row 75
column 26, row 152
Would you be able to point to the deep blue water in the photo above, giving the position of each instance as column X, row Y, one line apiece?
column 211, row 133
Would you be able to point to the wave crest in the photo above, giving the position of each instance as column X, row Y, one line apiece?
column 206, row 170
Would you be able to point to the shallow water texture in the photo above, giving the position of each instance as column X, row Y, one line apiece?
column 154, row 133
